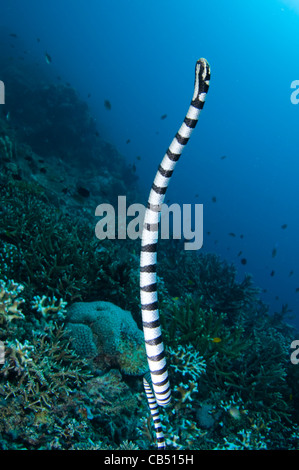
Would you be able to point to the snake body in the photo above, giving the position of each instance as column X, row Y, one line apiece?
column 148, row 258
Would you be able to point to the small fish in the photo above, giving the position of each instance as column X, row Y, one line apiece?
column 223, row 157
column 234, row 412
column 274, row 252
column 164, row 116
column 128, row 141
column 97, row 134
column 83, row 191
column 134, row 168
column 214, row 199
column 48, row 58
column 196, row 195
column 291, row 273
column 13, row 35
column 138, row 158
column 175, row 299
column 243, row 261
column 89, row 95
column 38, row 39
column 232, row 234
column 240, row 252
column 297, row 290
column 107, row 104
column 241, row 236
column 7, row 117
column 272, row 273
column 216, row 339
column 284, row 226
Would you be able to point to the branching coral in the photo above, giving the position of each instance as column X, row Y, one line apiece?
column 55, row 255
column 40, row 371
column 46, row 306
column 187, row 320
column 39, row 393
column 244, row 348
column 209, row 278
column 10, row 301
column 186, row 360
column 186, row 367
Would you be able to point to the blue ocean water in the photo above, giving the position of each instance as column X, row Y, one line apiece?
column 140, row 55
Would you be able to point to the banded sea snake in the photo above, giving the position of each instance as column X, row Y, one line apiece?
column 158, row 393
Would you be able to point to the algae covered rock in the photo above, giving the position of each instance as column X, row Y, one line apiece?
column 108, row 334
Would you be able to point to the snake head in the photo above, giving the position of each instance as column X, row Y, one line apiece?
column 202, row 82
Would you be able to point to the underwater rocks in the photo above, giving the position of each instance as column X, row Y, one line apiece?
column 107, row 334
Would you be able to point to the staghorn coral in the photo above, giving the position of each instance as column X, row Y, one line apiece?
column 246, row 352
column 105, row 331
column 181, row 431
column 186, row 360
column 47, row 307
column 53, row 254
column 9, row 259
column 37, row 382
column 208, row 277
column 240, row 361
column 39, row 371
column 50, row 399
column 10, row 301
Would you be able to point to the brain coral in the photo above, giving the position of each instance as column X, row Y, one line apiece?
column 107, row 333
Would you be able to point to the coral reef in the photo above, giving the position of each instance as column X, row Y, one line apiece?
column 10, row 301
column 39, row 371
column 233, row 385
column 208, row 277
column 6, row 148
column 50, row 397
column 105, row 331
column 52, row 254
column 245, row 386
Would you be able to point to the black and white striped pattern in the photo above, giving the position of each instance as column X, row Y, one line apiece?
column 154, row 412
column 148, row 258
